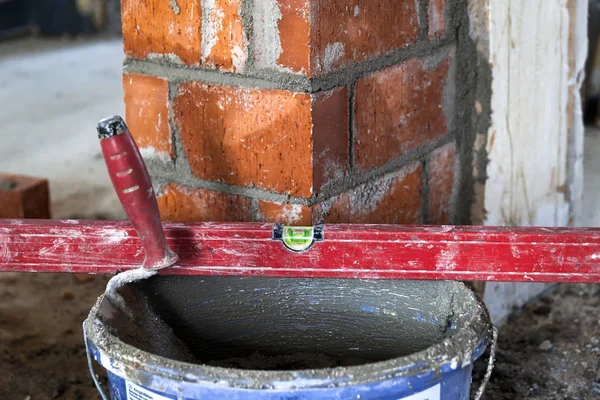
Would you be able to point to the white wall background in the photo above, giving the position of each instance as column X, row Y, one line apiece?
column 536, row 50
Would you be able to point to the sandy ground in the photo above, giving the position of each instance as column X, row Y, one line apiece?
column 550, row 351
column 52, row 94
column 41, row 344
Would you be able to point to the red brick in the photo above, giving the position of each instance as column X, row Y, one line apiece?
column 441, row 182
column 24, row 197
column 393, row 199
column 281, row 35
column 287, row 214
column 147, row 113
column 436, row 18
column 330, row 136
column 178, row 203
column 247, row 137
column 153, row 27
column 315, row 37
column 397, row 110
column 294, row 35
column 349, row 31
column 223, row 45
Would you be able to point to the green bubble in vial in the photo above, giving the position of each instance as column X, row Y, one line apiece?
column 297, row 238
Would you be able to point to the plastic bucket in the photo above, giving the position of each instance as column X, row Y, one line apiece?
column 281, row 338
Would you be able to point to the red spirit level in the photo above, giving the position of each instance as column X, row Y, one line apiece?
column 345, row 251
column 341, row 251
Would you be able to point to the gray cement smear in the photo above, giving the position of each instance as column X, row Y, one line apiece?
column 267, row 43
column 369, row 329
column 174, row 6
column 121, row 279
column 212, row 24
column 352, row 73
column 333, row 52
column 422, row 10
column 276, row 77
column 182, row 73
column 473, row 84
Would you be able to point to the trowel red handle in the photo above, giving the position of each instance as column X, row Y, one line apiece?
column 132, row 183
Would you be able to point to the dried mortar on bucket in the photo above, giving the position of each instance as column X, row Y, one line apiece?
column 247, row 326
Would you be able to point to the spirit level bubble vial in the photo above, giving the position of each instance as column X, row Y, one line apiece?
column 298, row 238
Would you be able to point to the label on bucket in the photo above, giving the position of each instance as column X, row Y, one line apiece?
column 135, row 392
column 433, row 393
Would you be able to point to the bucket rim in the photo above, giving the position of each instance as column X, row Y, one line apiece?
column 451, row 354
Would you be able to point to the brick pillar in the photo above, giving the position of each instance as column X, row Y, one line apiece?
column 296, row 111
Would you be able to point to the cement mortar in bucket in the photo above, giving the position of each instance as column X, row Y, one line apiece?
column 284, row 338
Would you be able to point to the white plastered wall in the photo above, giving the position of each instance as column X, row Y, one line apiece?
column 536, row 51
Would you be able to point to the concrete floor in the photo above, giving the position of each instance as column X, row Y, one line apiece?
column 52, row 94
column 591, row 197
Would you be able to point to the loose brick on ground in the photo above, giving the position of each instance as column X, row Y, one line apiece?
column 24, row 197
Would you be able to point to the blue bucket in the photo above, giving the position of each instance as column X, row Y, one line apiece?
column 288, row 339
